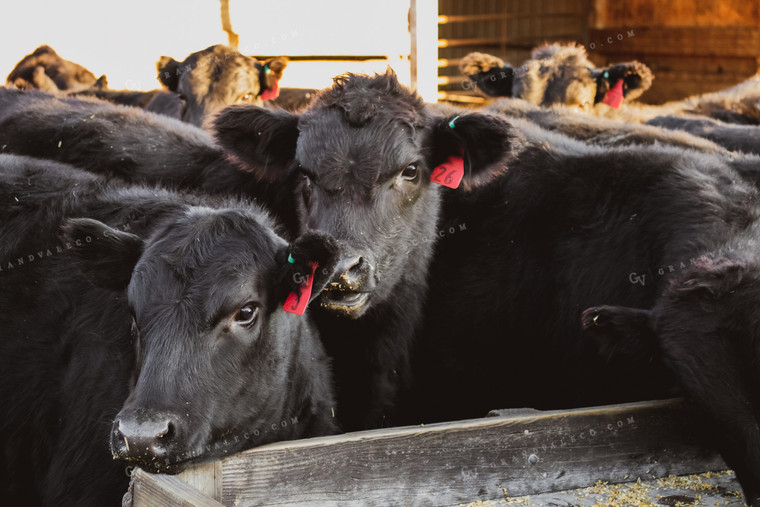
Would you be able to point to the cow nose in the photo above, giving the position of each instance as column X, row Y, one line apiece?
column 355, row 273
column 143, row 437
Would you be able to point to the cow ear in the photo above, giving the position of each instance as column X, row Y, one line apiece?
column 276, row 66
column 297, row 260
column 100, row 84
column 637, row 78
column 711, row 278
column 105, row 255
column 488, row 73
column 486, row 143
column 168, row 72
column 262, row 140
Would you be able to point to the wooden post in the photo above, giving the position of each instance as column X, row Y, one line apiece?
column 232, row 37
column 423, row 58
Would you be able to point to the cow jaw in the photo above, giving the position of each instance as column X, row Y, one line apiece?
column 348, row 303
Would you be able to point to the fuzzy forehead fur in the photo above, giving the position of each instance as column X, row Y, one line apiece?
column 203, row 257
column 361, row 99
column 562, row 52
column 219, row 68
column 360, row 130
column 557, row 73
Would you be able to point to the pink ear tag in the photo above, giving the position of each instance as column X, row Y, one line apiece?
column 296, row 301
column 271, row 93
column 614, row 96
column 450, row 173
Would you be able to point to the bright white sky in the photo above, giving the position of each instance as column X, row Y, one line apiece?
column 123, row 39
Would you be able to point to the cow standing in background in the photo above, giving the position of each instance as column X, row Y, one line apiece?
column 559, row 74
column 169, row 341
column 556, row 74
column 194, row 89
column 204, row 83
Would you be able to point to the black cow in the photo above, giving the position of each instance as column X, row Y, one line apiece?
column 601, row 131
column 127, row 143
column 736, row 137
column 169, row 341
column 370, row 314
column 663, row 131
column 567, row 227
column 204, row 83
column 44, row 70
column 738, row 105
column 360, row 160
column 704, row 329
column 556, row 74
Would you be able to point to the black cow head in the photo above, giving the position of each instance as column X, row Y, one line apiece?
column 217, row 77
column 556, row 74
column 360, row 162
column 220, row 365
column 45, row 70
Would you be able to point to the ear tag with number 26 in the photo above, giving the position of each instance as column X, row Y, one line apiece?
column 450, row 173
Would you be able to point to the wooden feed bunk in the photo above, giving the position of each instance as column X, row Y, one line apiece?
column 497, row 460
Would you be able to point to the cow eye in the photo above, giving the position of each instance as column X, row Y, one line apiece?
column 410, row 172
column 247, row 314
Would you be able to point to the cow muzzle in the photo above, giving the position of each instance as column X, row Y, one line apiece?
column 349, row 292
column 151, row 439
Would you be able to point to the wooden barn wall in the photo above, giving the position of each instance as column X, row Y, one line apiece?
column 506, row 28
column 693, row 46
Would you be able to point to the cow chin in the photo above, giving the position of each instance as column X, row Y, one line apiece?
column 173, row 463
column 351, row 304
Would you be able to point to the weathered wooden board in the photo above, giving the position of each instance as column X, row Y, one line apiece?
column 206, row 478
column 521, row 453
column 149, row 490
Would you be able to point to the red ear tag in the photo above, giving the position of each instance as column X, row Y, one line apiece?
column 296, row 302
column 450, row 173
column 271, row 93
column 614, row 96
